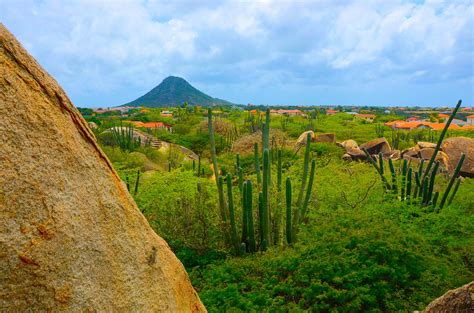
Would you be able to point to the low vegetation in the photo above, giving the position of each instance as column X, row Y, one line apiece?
column 260, row 227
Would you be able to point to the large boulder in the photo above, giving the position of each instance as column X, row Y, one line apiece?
column 348, row 144
column 326, row 137
column 454, row 147
column 376, row 146
column 71, row 236
column 460, row 300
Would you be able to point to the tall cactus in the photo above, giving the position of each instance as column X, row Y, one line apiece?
column 251, row 231
column 137, row 182
column 458, row 181
column 440, row 140
column 432, row 181
column 451, row 181
column 230, row 204
column 279, row 171
column 409, row 184
column 257, row 165
column 304, row 178
column 404, row 179
column 245, row 225
column 265, row 194
column 289, row 225
column 394, row 177
column 304, row 209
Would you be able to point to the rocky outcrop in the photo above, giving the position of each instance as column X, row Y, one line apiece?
column 324, row 137
column 460, row 300
column 448, row 155
column 376, row 146
column 71, row 237
column 454, row 147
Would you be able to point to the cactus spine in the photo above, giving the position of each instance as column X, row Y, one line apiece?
column 289, row 226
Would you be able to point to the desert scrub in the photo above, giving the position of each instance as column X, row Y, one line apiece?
column 371, row 260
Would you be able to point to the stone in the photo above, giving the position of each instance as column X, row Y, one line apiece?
column 71, row 237
column 413, row 152
column 460, row 300
column 327, row 137
column 347, row 144
column 453, row 147
column 377, row 145
column 356, row 154
column 425, row 145
column 427, row 153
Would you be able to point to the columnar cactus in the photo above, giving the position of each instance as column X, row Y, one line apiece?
column 230, row 204
column 251, row 231
column 451, row 181
column 289, row 225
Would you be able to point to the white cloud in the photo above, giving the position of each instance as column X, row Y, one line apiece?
column 103, row 46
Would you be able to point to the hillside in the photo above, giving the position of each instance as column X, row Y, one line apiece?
column 173, row 91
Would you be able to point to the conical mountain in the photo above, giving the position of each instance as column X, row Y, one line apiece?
column 174, row 91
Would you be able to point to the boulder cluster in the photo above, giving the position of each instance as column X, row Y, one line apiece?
column 449, row 154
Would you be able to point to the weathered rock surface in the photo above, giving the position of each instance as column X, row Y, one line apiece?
column 71, row 236
column 347, row 144
column 326, row 137
column 460, row 300
column 454, row 147
column 377, row 145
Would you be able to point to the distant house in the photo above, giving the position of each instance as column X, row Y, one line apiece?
column 387, row 112
column 470, row 120
column 368, row 117
column 166, row 114
column 443, row 116
column 152, row 125
column 413, row 119
column 403, row 125
column 331, row 112
column 288, row 112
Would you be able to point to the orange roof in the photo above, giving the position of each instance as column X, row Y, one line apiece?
column 137, row 123
column 394, row 122
column 440, row 126
column 167, row 114
column 467, row 127
column 155, row 125
column 408, row 125
column 442, row 115
column 470, row 116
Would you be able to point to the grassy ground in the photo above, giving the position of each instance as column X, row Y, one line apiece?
column 359, row 249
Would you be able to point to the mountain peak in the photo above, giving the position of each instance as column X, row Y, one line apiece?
column 174, row 91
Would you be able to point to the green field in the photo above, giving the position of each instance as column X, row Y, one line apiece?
column 359, row 248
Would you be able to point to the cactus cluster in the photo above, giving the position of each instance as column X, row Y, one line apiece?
column 269, row 215
column 422, row 191
column 124, row 138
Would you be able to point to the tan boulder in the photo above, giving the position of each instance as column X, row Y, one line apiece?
column 327, row 137
column 356, row 154
column 427, row 153
column 347, row 144
column 71, row 237
column 460, row 300
column 425, row 145
column 376, row 146
column 454, row 147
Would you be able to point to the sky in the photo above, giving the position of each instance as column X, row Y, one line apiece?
column 322, row 52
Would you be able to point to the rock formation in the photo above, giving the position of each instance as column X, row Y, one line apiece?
column 453, row 147
column 460, row 300
column 324, row 137
column 71, row 236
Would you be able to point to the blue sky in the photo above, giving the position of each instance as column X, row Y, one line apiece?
column 386, row 52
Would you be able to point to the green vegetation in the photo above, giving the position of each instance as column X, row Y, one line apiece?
column 262, row 228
